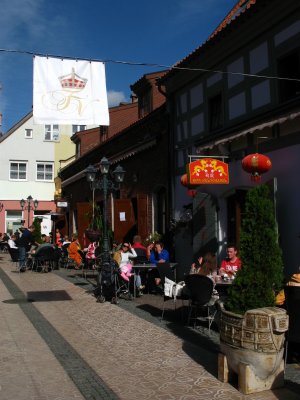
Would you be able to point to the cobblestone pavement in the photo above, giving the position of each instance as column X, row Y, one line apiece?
column 58, row 343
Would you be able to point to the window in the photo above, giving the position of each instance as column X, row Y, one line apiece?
column 51, row 132
column 44, row 171
column 78, row 128
column 215, row 108
column 289, row 67
column 28, row 133
column 18, row 171
column 13, row 221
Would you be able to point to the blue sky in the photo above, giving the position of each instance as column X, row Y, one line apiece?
column 160, row 32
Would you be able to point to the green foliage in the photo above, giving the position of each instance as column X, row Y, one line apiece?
column 152, row 237
column 37, row 230
column 97, row 222
column 261, row 275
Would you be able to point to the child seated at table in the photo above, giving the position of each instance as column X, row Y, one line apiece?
column 123, row 257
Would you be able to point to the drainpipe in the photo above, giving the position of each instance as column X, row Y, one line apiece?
column 170, row 205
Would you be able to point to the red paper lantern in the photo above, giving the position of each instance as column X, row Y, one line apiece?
column 184, row 180
column 256, row 164
column 192, row 193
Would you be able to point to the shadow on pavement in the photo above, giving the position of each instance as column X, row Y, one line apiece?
column 51, row 295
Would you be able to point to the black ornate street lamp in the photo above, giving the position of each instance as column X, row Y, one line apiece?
column 106, row 185
column 31, row 205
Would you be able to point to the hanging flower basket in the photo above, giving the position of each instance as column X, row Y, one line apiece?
column 93, row 234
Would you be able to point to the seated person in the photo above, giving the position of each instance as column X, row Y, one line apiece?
column 293, row 281
column 5, row 237
column 206, row 265
column 58, row 238
column 73, row 251
column 46, row 243
column 90, row 253
column 157, row 255
column 123, row 257
column 231, row 264
column 141, row 251
column 12, row 242
column 65, row 240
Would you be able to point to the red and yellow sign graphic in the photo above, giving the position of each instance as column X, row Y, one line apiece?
column 208, row 171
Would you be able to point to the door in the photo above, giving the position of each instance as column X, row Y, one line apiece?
column 142, row 215
column 235, row 211
column 124, row 220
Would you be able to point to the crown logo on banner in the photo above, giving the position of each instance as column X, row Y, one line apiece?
column 72, row 82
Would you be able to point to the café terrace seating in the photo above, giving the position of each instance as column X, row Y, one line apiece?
column 170, row 273
column 200, row 288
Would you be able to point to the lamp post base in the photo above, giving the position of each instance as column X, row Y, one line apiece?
column 106, row 289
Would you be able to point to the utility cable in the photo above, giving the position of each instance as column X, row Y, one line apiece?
column 146, row 64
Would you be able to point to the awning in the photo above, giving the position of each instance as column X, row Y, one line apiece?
column 135, row 150
column 113, row 160
column 260, row 127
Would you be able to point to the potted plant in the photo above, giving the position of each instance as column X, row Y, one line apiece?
column 251, row 327
column 94, row 230
column 152, row 237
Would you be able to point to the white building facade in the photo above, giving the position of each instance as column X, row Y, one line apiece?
column 31, row 156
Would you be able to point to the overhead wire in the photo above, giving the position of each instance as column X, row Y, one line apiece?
column 147, row 64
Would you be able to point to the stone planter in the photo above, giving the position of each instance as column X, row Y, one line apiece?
column 252, row 347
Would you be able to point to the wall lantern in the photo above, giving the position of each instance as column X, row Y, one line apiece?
column 256, row 164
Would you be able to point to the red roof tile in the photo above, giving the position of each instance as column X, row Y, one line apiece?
column 240, row 7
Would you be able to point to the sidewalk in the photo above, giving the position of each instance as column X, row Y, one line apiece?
column 57, row 343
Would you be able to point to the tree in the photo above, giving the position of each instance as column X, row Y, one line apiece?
column 261, row 275
column 37, row 230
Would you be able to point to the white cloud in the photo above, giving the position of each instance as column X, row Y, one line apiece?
column 114, row 98
column 20, row 18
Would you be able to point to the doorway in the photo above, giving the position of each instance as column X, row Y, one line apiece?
column 235, row 211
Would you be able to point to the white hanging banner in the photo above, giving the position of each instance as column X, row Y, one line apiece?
column 69, row 92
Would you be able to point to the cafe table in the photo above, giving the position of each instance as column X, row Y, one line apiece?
column 141, row 267
column 222, row 286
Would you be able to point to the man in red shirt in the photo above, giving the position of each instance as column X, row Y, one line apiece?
column 141, row 258
column 232, row 263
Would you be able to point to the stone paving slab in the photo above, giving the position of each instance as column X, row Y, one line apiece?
column 133, row 357
column 28, row 369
